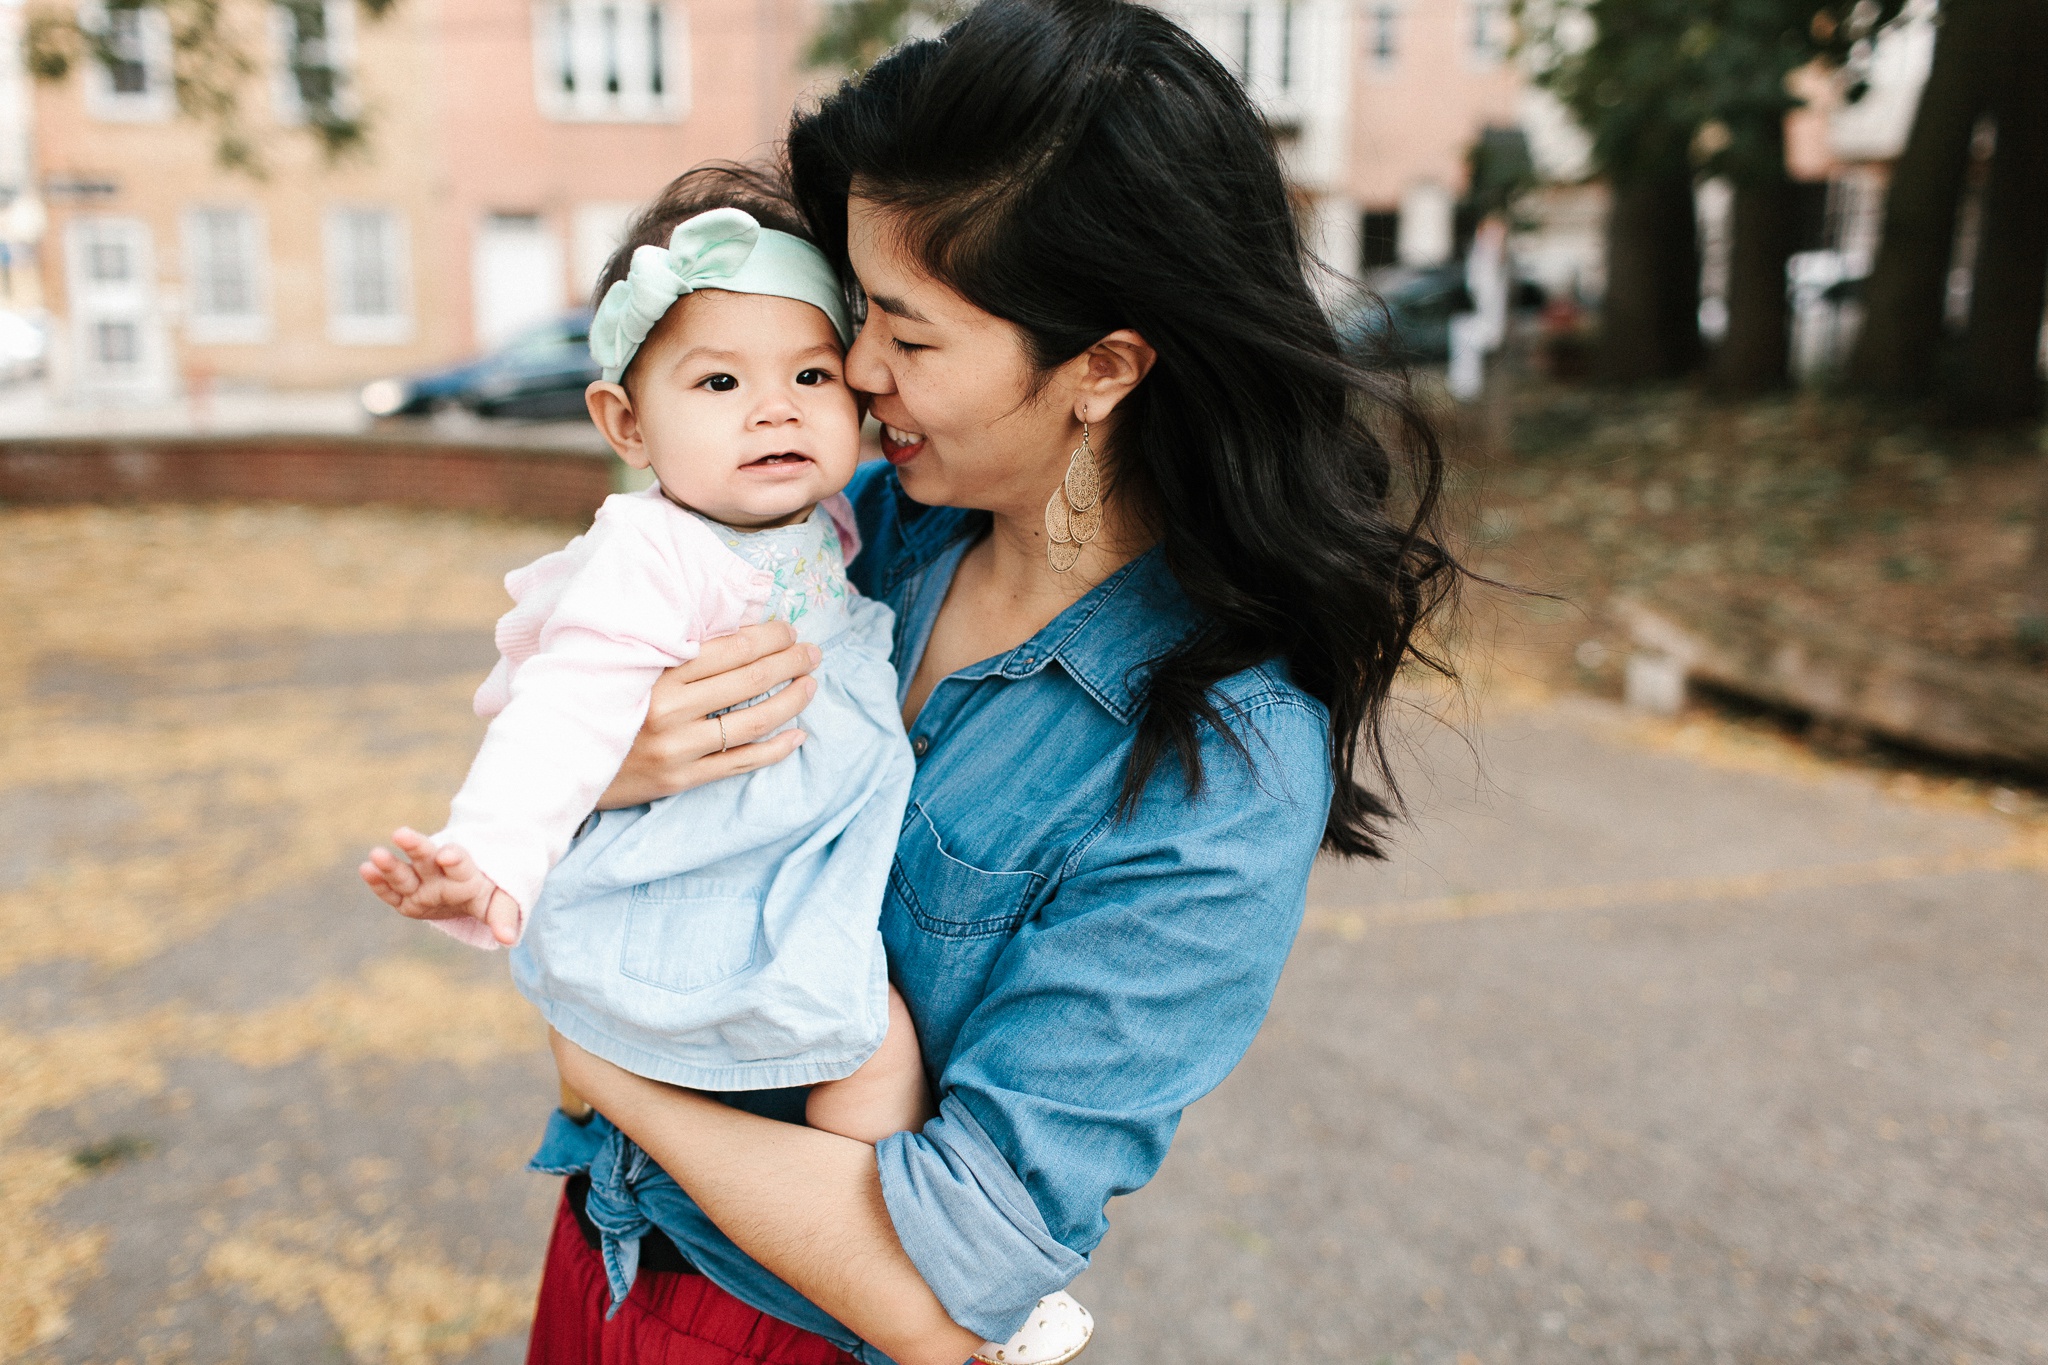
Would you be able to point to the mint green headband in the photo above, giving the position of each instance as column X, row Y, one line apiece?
column 722, row 249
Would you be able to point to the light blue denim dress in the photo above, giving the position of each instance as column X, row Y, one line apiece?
column 726, row 938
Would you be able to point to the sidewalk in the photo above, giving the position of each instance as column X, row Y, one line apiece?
column 1654, row 1041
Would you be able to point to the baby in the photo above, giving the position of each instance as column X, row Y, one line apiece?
column 725, row 938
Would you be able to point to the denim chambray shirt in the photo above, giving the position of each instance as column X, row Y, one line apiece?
column 1077, row 979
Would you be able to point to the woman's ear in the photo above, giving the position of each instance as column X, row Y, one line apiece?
column 611, row 408
column 1115, row 365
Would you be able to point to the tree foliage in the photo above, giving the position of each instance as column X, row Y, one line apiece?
column 1646, row 78
column 1672, row 89
column 855, row 34
column 216, row 50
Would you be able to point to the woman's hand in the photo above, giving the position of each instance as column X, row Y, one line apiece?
column 679, row 746
column 806, row 1204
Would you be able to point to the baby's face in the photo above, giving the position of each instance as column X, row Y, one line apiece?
column 743, row 405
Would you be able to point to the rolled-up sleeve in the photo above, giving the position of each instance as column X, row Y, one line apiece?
column 1131, row 992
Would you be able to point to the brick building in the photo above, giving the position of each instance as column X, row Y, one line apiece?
column 506, row 144
column 508, row 139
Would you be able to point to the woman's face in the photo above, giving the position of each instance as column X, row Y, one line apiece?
column 953, row 384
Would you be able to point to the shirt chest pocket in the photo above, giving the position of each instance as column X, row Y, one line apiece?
column 950, row 897
column 686, row 933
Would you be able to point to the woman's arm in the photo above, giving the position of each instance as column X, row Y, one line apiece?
column 1125, row 998
column 679, row 745
column 806, row 1204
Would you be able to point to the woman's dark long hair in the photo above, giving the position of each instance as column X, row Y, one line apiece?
column 1079, row 166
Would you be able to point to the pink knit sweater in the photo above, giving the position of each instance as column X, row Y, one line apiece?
column 594, row 626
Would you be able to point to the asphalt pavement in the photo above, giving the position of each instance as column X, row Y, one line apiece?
column 1655, row 1041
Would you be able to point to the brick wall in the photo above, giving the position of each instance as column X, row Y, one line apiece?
column 329, row 471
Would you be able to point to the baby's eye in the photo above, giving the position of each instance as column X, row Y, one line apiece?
column 814, row 376
column 720, row 383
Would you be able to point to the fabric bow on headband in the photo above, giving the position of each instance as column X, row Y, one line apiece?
column 722, row 249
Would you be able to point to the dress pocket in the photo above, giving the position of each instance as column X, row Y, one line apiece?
column 686, row 933
column 950, row 897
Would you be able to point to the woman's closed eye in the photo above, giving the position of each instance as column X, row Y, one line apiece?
column 718, row 383
column 907, row 347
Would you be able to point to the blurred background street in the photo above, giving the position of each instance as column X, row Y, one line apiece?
column 1659, row 1039
column 1698, row 1016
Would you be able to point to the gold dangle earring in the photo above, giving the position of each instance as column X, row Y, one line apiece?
column 1074, row 512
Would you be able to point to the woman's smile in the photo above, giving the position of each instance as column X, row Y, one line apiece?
column 900, row 446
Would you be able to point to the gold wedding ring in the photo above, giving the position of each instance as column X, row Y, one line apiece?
column 721, row 732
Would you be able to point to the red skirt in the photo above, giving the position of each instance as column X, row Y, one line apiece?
column 668, row 1319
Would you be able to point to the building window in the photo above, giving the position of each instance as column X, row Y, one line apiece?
column 596, row 231
column 620, row 61
column 132, row 82
column 1379, row 239
column 369, row 278
column 110, row 261
column 1489, row 31
column 111, row 286
column 225, row 276
column 1286, row 72
column 1264, row 44
column 117, row 346
column 315, row 44
column 1383, row 36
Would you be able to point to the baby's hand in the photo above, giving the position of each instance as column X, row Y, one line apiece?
column 439, row 883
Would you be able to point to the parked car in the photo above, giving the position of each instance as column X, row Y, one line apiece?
column 539, row 374
column 1406, row 318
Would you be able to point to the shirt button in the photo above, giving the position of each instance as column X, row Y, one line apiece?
column 920, row 746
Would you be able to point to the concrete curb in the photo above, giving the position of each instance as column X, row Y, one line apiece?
column 1982, row 713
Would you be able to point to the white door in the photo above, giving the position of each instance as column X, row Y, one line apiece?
column 118, row 348
column 517, row 275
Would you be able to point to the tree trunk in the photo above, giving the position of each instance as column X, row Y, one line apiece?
column 1896, row 350
column 2000, row 380
column 1754, row 355
column 1650, row 320
column 2034, row 590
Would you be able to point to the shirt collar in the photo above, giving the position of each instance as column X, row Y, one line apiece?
column 1123, row 625
column 1107, row 640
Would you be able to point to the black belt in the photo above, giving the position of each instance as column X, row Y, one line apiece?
column 657, row 1252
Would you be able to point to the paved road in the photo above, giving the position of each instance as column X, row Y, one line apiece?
column 1657, row 1042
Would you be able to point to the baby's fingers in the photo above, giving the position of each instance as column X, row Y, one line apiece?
column 397, row 873
column 501, row 917
column 374, row 879
column 413, row 844
column 455, row 863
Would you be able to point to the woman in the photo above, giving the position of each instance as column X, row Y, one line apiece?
column 1077, row 254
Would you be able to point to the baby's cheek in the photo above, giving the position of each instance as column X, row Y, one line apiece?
column 841, row 420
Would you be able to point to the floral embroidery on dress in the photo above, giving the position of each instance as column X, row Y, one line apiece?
column 806, row 563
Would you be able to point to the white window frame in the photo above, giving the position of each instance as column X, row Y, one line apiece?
column 597, row 228
column 583, row 48
column 286, row 101
column 203, row 324
column 1489, row 33
column 132, row 302
column 1390, row 17
column 345, row 328
column 1268, row 45
column 157, row 101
